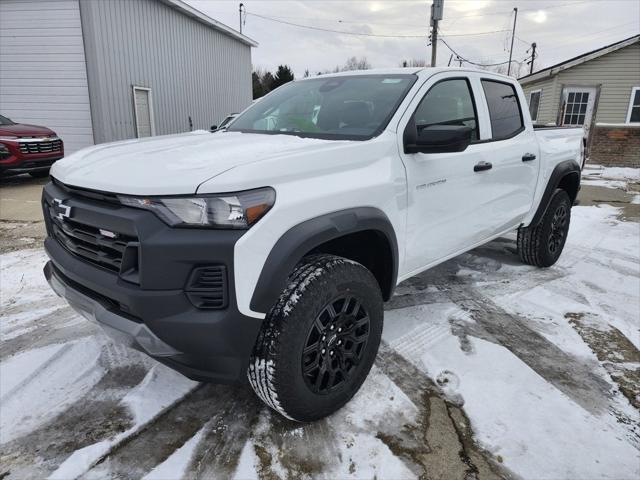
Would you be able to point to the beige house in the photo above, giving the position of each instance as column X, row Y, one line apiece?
column 599, row 90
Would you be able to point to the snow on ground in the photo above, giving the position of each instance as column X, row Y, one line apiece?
column 610, row 177
column 541, row 365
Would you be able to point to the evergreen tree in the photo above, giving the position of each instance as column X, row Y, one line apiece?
column 282, row 76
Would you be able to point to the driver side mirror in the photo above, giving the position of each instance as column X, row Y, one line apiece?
column 213, row 128
column 437, row 138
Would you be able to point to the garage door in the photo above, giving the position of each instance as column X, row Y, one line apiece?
column 43, row 78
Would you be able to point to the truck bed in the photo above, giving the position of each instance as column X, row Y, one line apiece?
column 561, row 143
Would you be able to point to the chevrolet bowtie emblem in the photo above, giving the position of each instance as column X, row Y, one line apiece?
column 61, row 210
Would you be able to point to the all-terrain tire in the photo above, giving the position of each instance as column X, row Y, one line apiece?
column 297, row 363
column 542, row 244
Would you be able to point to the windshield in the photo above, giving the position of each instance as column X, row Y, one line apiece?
column 354, row 107
column 5, row 121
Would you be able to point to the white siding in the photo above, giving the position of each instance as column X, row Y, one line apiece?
column 43, row 78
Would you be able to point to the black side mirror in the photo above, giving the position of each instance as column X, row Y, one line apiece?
column 213, row 128
column 438, row 139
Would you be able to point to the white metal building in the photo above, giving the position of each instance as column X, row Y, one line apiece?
column 99, row 71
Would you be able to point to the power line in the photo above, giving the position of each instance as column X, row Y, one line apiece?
column 476, row 33
column 504, row 12
column 460, row 57
column 330, row 30
column 455, row 17
column 311, row 27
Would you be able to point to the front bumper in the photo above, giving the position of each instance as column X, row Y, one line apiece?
column 29, row 165
column 152, row 310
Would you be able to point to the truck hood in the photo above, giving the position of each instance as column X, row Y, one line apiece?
column 172, row 164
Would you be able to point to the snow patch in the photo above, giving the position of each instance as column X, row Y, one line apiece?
column 176, row 465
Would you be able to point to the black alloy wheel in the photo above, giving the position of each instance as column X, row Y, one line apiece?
column 335, row 344
column 558, row 229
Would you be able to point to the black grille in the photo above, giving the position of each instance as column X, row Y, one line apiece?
column 207, row 287
column 86, row 193
column 44, row 146
column 89, row 243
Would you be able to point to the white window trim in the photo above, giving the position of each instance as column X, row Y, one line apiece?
column 135, row 110
column 633, row 94
column 539, row 90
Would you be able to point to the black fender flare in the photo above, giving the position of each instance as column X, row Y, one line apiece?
column 562, row 170
column 304, row 237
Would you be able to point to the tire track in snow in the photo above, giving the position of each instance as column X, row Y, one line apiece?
column 225, row 435
column 441, row 444
column 96, row 416
column 298, row 450
column 215, row 407
column 60, row 326
column 569, row 374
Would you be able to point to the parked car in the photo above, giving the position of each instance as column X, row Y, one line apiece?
column 227, row 120
column 28, row 148
column 268, row 250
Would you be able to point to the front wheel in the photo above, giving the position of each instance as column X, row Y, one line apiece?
column 319, row 341
column 542, row 245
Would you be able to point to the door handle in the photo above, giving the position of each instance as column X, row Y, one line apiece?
column 527, row 157
column 480, row 166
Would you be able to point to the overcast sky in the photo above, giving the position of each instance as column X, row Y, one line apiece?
column 561, row 29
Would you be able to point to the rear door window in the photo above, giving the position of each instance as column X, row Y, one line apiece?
column 504, row 109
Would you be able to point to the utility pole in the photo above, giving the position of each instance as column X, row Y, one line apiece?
column 240, row 10
column 533, row 56
column 513, row 36
column 437, row 8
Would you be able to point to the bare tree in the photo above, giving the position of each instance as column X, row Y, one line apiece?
column 518, row 69
column 414, row 62
column 354, row 63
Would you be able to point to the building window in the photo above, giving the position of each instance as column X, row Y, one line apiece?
column 534, row 104
column 576, row 108
column 504, row 109
column 633, row 114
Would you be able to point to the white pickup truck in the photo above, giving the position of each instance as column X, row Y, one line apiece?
column 266, row 250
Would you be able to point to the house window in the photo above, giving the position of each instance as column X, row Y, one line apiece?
column 576, row 108
column 534, row 104
column 633, row 114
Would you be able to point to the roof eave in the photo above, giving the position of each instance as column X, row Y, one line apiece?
column 555, row 69
column 207, row 20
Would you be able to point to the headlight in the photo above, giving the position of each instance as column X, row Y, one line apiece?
column 228, row 210
column 4, row 152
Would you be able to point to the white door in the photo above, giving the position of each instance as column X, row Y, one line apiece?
column 515, row 153
column 143, row 112
column 455, row 201
column 577, row 106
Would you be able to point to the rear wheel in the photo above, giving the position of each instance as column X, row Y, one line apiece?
column 319, row 342
column 542, row 245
